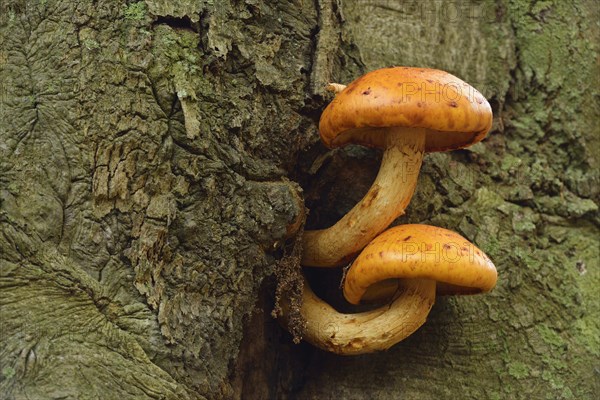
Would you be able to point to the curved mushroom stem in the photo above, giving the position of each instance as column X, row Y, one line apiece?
column 384, row 202
column 370, row 331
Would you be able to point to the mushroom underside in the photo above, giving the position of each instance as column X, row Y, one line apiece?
column 384, row 291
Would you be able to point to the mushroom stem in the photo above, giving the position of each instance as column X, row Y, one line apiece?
column 335, row 87
column 370, row 331
column 384, row 202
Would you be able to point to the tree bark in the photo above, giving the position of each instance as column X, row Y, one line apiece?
column 152, row 158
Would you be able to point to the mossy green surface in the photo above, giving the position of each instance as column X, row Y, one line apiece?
column 137, row 150
column 136, row 11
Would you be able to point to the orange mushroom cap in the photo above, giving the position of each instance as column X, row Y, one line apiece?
column 454, row 113
column 421, row 251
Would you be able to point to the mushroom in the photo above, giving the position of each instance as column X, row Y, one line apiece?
column 335, row 87
column 369, row 331
column 414, row 251
column 407, row 112
column 423, row 259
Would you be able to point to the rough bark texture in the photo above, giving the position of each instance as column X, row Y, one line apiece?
column 148, row 158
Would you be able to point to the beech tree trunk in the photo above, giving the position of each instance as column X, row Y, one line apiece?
column 152, row 155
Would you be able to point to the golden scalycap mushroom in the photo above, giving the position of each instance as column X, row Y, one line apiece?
column 423, row 261
column 454, row 113
column 407, row 112
column 421, row 252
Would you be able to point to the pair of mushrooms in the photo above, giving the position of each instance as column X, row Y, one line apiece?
column 407, row 112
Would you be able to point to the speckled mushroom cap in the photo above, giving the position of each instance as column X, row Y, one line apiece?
column 416, row 251
column 454, row 113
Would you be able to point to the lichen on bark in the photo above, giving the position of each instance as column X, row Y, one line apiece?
column 138, row 144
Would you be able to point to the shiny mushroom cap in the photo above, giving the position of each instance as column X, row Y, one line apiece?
column 421, row 252
column 454, row 113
